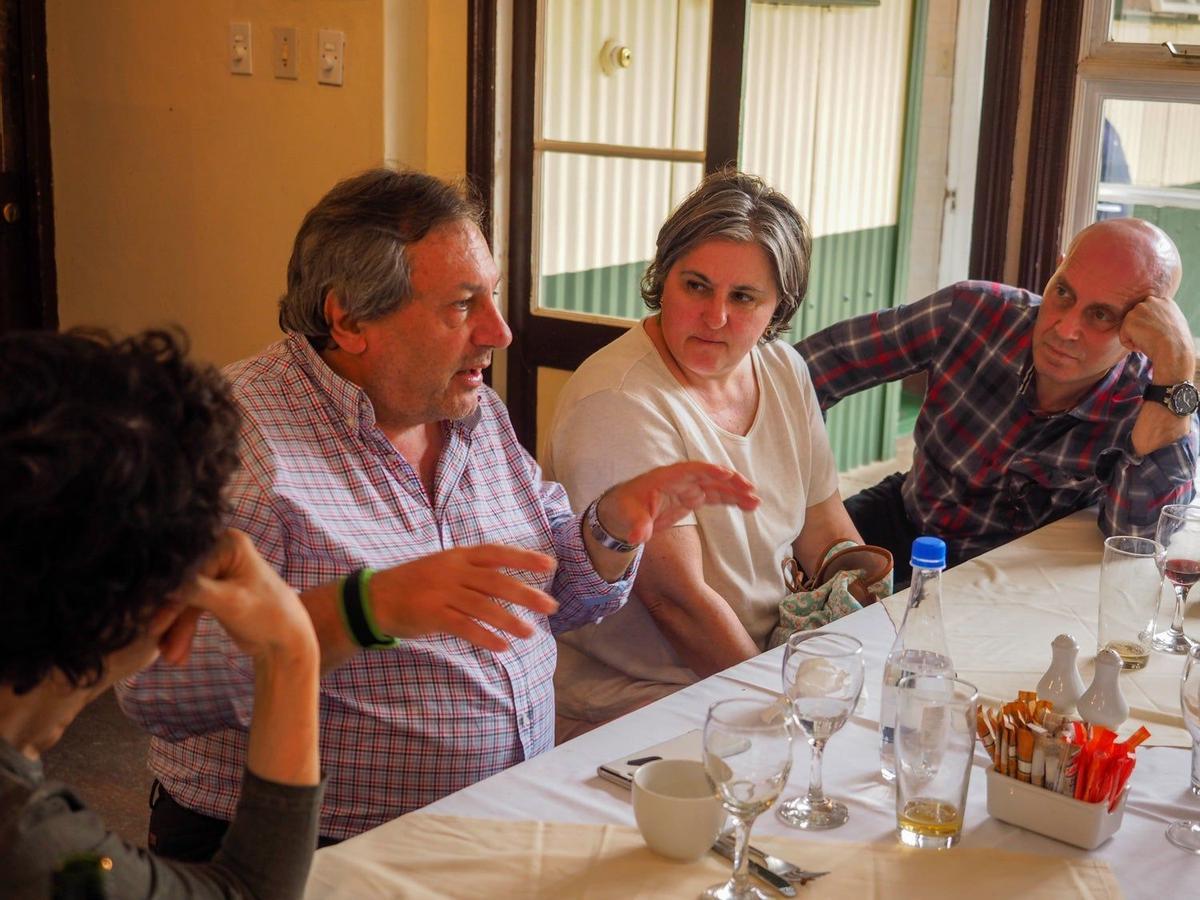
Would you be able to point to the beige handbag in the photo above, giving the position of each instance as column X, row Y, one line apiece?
column 850, row 577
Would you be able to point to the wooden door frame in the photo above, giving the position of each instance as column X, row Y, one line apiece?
column 1059, row 32
column 38, row 308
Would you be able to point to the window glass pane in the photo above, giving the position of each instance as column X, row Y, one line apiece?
column 1149, row 168
column 598, row 220
column 1155, row 21
column 655, row 100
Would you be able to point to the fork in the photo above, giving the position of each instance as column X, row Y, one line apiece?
column 789, row 872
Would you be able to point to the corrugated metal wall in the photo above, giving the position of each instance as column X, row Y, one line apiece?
column 824, row 123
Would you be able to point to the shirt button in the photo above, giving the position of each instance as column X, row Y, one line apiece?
column 524, row 720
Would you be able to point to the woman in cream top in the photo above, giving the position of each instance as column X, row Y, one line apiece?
column 704, row 379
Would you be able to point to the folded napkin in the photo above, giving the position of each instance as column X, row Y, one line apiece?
column 421, row 855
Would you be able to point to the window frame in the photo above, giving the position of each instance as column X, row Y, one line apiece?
column 1114, row 70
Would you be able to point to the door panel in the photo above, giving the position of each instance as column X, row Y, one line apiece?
column 27, row 283
column 612, row 150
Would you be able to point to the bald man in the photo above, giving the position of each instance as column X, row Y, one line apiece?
column 1035, row 406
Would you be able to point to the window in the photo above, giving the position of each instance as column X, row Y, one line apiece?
column 1137, row 125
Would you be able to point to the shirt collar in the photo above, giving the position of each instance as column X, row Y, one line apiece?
column 347, row 399
column 1096, row 404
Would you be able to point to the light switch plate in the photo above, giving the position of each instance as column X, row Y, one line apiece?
column 331, row 56
column 285, row 53
column 241, row 59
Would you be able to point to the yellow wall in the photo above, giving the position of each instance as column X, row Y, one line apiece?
column 178, row 187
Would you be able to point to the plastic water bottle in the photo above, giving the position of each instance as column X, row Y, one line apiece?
column 920, row 645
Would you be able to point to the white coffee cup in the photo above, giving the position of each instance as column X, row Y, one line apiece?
column 676, row 807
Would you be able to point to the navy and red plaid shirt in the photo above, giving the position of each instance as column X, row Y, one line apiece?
column 987, row 467
column 322, row 492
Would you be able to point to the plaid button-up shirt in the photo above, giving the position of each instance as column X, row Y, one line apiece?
column 987, row 467
column 321, row 492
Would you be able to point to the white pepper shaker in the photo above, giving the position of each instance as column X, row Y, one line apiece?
column 1061, row 684
column 1103, row 703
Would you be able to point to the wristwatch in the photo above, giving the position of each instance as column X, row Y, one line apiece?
column 603, row 536
column 1181, row 399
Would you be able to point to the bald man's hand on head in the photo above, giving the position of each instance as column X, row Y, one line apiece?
column 1158, row 328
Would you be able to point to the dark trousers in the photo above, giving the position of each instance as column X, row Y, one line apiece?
column 878, row 514
column 179, row 833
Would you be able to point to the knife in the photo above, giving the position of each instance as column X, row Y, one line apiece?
column 780, row 866
column 760, row 872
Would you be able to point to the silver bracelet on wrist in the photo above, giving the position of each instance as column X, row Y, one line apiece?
column 603, row 536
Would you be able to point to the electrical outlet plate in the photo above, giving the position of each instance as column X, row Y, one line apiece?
column 241, row 60
column 285, row 53
column 331, row 56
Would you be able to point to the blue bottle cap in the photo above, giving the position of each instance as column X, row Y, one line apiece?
column 929, row 553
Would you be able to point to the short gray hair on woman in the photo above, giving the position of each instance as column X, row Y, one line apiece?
column 732, row 205
column 354, row 242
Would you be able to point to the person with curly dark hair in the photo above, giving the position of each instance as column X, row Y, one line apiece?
column 114, row 456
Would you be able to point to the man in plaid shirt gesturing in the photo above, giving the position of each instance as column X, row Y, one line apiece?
column 1035, row 406
column 370, row 443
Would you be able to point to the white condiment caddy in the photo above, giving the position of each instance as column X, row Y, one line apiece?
column 1054, row 815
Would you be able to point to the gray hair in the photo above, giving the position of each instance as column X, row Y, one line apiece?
column 735, row 206
column 354, row 243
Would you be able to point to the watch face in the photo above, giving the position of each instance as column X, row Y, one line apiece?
column 1184, row 399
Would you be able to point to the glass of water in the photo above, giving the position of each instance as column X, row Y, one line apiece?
column 822, row 678
column 935, row 742
column 1185, row 834
column 747, row 755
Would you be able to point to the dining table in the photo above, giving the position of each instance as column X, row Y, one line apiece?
column 551, row 827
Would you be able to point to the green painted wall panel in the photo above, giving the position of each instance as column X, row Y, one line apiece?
column 607, row 291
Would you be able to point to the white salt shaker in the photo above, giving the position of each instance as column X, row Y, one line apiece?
column 1061, row 684
column 1103, row 703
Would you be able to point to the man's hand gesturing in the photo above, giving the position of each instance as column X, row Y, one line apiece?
column 455, row 592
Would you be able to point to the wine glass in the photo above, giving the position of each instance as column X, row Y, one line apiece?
column 822, row 677
column 1179, row 533
column 747, row 755
column 1186, row 834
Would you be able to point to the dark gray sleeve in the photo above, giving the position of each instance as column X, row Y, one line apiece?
column 265, row 854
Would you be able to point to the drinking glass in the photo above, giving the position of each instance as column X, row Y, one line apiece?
column 1179, row 533
column 822, row 678
column 1185, row 834
column 935, row 743
column 1130, row 582
column 748, row 755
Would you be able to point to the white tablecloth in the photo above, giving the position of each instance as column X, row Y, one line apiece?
column 1010, row 583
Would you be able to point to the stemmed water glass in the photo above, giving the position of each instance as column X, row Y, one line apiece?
column 1179, row 533
column 822, row 678
column 1186, row 834
column 747, row 755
